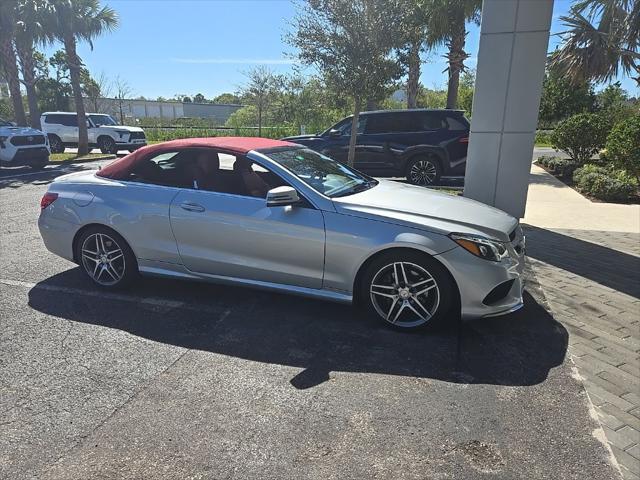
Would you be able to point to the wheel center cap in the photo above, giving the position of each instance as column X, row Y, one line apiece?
column 103, row 258
column 404, row 293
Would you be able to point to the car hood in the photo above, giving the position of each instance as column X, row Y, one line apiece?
column 427, row 209
column 123, row 128
column 10, row 131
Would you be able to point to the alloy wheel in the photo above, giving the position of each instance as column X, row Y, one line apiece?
column 423, row 172
column 404, row 294
column 103, row 259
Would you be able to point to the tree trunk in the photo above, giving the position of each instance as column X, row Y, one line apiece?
column 414, row 76
column 11, row 70
column 456, row 57
column 74, row 73
column 371, row 105
column 354, row 132
column 25, row 52
column 259, row 119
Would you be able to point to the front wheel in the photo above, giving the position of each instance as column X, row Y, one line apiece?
column 406, row 290
column 424, row 170
column 107, row 145
column 55, row 144
column 105, row 258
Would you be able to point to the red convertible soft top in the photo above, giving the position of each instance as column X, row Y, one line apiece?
column 119, row 168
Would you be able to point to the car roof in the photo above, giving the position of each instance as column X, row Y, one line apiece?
column 406, row 110
column 232, row 145
column 71, row 113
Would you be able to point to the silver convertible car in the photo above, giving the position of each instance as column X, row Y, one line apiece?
column 275, row 215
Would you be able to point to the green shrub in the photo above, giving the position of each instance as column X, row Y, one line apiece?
column 605, row 183
column 580, row 136
column 562, row 167
column 543, row 137
column 623, row 145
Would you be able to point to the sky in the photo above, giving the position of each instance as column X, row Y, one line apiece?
column 169, row 47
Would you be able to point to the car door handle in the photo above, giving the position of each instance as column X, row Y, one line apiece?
column 191, row 207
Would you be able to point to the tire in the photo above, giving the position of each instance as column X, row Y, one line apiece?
column 424, row 170
column 398, row 304
column 55, row 144
column 107, row 145
column 106, row 258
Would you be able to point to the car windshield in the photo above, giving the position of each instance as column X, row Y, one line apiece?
column 99, row 120
column 321, row 173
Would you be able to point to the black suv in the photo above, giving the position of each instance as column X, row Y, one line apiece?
column 421, row 144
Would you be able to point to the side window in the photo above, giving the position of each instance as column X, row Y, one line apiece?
column 362, row 125
column 161, row 169
column 430, row 121
column 51, row 119
column 457, row 124
column 380, row 123
column 69, row 120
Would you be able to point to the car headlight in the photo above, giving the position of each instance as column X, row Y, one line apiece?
column 121, row 133
column 482, row 247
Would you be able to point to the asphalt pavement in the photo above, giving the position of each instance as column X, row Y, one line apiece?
column 186, row 380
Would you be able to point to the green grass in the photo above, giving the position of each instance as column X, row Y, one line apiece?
column 73, row 157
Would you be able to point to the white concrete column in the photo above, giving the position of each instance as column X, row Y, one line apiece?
column 514, row 36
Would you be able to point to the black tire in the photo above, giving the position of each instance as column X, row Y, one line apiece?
column 127, row 267
column 441, row 297
column 424, row 170
column 55, row 144
column 38, row 166
column 107, row 145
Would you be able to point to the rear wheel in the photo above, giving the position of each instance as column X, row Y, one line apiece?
column 106, row 258
column 107, row 145
column 406, row 290
column 424, row 170
column 55, row 144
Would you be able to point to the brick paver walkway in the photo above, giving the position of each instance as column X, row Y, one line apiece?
column 591, row 281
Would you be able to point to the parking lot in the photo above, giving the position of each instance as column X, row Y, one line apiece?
column 185, row 380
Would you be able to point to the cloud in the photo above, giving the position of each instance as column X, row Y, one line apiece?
column 236, row 61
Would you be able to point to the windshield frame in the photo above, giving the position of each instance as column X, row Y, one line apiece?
column 370, row 182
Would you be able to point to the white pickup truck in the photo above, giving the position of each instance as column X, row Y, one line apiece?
column 104, row 132
column 22, row 146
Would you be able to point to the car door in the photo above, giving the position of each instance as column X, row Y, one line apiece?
column 376, row 145
column 236, row 235
column 69, row 128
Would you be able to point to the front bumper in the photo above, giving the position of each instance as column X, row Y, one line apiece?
column 132, row 145
column 24, row 156
column 476, row 278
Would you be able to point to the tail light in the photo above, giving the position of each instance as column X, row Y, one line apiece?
column 464, row 140
column 48, row 199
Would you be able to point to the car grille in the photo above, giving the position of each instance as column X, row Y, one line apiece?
column 27, row 140
column 137, row 136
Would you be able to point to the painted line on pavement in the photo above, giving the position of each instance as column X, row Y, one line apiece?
column 153, row 301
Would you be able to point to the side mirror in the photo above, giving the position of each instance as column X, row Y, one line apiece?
column 282, row 196
column 335, row 133
column 13, row 124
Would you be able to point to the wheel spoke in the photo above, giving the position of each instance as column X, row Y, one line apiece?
column 424, row 290
column 422, row 307
column 393, row 305
column 116, row 257
column 404, row 274
column 412, row 308
column 113, row 274
column 382, row 294
column 422, row 282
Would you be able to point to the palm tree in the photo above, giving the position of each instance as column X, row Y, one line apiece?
column 446, row 26
column 8, row 57
column 602, row 39
column 414, row 23
column 80, row 20
column 31, row 30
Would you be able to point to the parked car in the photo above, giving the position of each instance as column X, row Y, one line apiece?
column 275, row 215
column 421, row 145
column 104, row 132
column 22, row 146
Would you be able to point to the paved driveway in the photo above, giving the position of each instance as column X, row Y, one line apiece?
column 183, row 380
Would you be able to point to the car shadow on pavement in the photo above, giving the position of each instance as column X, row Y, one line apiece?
column 318, row 337
column 606, row 266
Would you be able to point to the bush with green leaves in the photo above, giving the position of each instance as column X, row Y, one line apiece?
column 623, row 145
column 580, row 136
column 562, row 167
column 605, row 183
